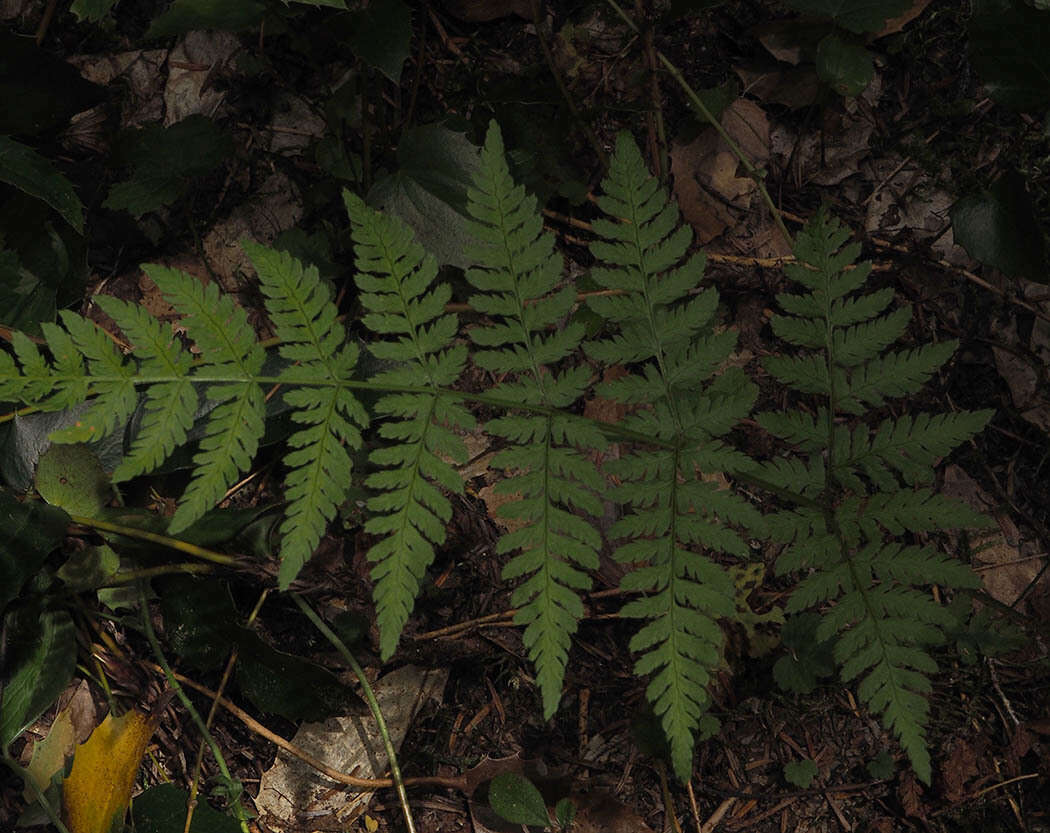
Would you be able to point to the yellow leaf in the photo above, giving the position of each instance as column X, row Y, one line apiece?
column 371, row 825
column 97, row 791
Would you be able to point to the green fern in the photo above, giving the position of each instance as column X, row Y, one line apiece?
column 857, row 489
column 517, row 274
column 666, row 335
column 395, row 278
column 86, row 364
column 860, row 486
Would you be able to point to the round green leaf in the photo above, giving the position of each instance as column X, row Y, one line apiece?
column 845, row 67
column 999, row 227
column 71, row 477
column 800, row 773
column 516, row 799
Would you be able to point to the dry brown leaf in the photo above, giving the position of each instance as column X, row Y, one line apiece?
column 295, row 797
column 897, row 24
column 193, row 66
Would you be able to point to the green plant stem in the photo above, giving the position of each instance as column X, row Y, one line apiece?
column 147, row 625
column 163, row 540
column 131, row 576
column 370, row 698
column 32, row 786
column 757, row 175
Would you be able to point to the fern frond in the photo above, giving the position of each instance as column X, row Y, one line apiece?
column 517, row 275
column 397, row 288
column 883, row 625
column 673, row 512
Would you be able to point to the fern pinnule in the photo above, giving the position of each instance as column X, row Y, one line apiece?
column 516, row 275
column 673, row 514
column 396, row 280
column 860, row 485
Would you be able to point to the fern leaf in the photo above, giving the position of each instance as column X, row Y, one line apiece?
column 112, row 379
column 516, row 276
column 911, row 446
column 883, row 625
column 397, row 288
column 673, row 513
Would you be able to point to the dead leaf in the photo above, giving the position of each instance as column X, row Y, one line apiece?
column 98, row 788
column 706, row 172
column 795, row 88
column 958, row 769
column 602, row 813
column 193, row 66
column 273, row 208
column 72, row 725
column 295, row 797
column 1005, row 565
column 897, row 24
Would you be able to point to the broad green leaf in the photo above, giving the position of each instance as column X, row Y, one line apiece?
column 92, row 10
column 41, row 652
column 844, row 66
column 856, row 15
column 162, row 809
column 27, row 170
column 383, row 36
column 164, row 161
column 184, row 16
column 429, row 190
column 999, row 227
column 800, row 773
column 1008, row 50
column 51, row 262
column 29, row 532
column 516, row 799
column 72, row 478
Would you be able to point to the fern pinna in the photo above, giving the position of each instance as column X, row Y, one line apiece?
column 861, row 488
column 516, row 277
column 674, row 514
column 395, row 277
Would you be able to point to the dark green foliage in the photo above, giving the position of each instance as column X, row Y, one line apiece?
column 395, row 277
column 859, row 486
column 860, row 483
column 674, row 514
column 517, row 274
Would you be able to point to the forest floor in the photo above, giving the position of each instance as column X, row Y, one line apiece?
column 304, row 119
